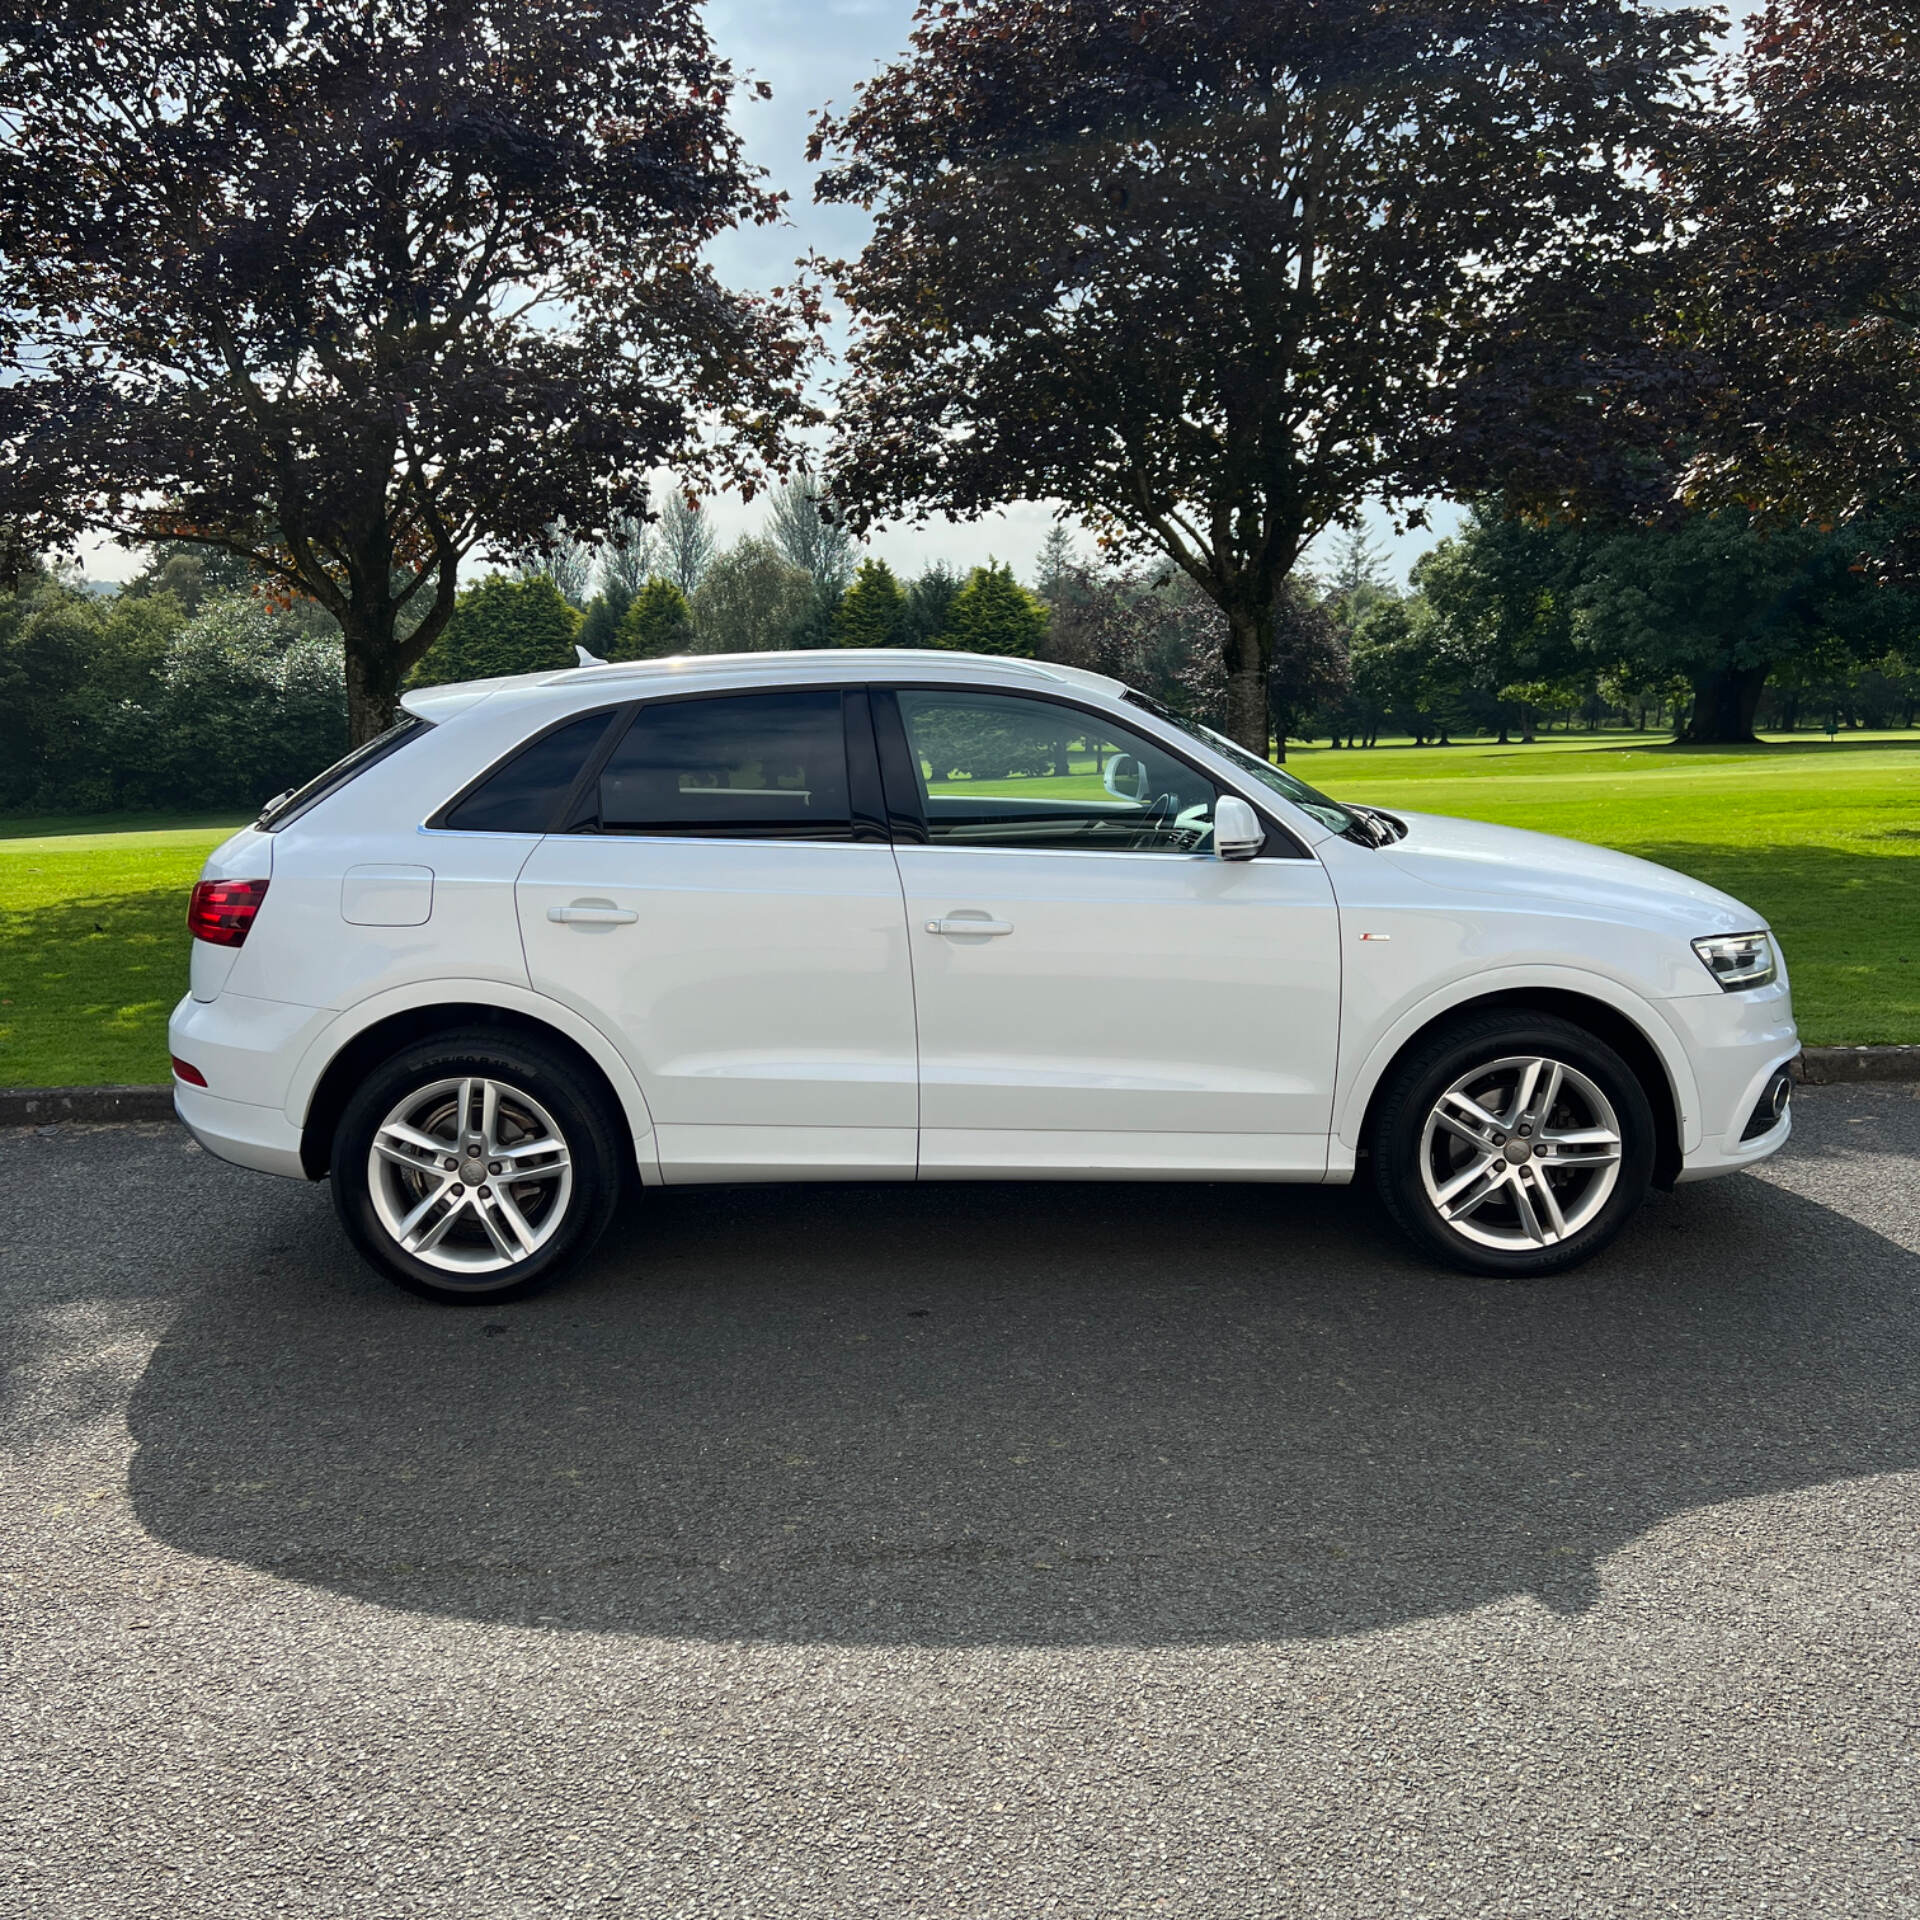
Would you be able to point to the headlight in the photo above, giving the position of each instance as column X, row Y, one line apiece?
column 1739, row 960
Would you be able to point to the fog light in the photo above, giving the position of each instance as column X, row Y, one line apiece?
column 1775, row 1100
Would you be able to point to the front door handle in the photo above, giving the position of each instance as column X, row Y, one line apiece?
column 593, row 914
column 960, row 924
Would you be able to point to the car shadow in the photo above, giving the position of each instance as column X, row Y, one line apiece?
column 990, row 1414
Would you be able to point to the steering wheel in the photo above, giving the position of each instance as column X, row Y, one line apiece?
column 1152, row 822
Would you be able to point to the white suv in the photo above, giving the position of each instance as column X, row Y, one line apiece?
column 930, row 916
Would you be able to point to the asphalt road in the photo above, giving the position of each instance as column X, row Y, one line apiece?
column 1002, row 1552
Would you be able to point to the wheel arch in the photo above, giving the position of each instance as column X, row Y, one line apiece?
column 1654, row 1065
column 350, row 1047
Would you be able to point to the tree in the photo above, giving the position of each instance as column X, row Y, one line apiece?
column 244, row 675
column 1723, row 603
column 605, row 611
column 627, row 558
column 1500, row 596
column 809, row 538
column 1156, row 633
column 68, row 663
column 873, row 610
column 930, row 604
column 355, row 292
column 567, row 562
column 191, row 574
column 1804, row 275
column 1310, row 672
column 751, row 601
column 1212, row 274
column 1357, row 563
column 658, row 623
column 1056, row 563
column 686, row 542
column 812, row 539
column 502, row 626
column 994, row 613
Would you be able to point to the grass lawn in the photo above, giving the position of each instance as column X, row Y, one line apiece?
column 1824, row 840
column 93, row 945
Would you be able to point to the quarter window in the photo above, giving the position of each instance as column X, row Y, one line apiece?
column 761, row 766
column 525, row 794
column 1004, row 771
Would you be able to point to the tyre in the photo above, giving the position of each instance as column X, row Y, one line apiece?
column 475, row 1166
column 1513, row 1145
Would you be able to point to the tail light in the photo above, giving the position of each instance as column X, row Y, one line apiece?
column 187, row 1072
column 221, row 911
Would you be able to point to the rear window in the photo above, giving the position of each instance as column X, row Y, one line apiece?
column 290, row 805
column 525, row 793
column 742, row 766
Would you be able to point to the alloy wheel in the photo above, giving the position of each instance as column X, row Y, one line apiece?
column 470, row 1175
column 1520, row 1153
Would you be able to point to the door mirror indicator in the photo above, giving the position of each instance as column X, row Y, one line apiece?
column 1237, row 832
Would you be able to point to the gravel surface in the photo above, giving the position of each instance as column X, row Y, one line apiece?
column 992, row 1551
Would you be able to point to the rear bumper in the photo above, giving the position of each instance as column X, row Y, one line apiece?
column 247, row 1049
column 258, row 1137
column 1736, row 1042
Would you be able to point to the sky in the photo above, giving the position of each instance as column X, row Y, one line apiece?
column 814, row 53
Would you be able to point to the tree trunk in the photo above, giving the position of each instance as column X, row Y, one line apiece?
column 373, row 685
column 1724, row 703
column 1248, row 651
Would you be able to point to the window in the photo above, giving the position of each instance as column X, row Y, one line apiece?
column 525, row 794
column 760, row 765
column 1330, row 813
column 999, row 770
column 290, row 805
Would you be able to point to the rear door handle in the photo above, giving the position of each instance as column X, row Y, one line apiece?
column 594, row 915
column 960, row 924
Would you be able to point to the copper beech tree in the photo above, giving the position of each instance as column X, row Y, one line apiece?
column 1804, row 273
column 1211, row 272
column 354, row 290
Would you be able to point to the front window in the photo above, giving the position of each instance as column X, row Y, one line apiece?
column 1002, row 770
column 1330, row 813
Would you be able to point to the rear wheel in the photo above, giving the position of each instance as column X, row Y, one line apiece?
column 472, row 1168
column 1513, row 1145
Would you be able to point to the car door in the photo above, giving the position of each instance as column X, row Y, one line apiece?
column 726, row 907
column 1095, row 990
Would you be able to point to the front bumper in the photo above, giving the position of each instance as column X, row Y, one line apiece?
column 1736, row 1043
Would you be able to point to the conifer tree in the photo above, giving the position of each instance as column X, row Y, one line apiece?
column 873, row 610
column 994, row 613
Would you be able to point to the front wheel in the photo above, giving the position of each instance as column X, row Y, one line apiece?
column 471, row 1167
column 1513, row 1145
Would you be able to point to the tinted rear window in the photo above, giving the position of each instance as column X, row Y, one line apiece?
column 290, row 805
column 524, row 794
column 759, row 766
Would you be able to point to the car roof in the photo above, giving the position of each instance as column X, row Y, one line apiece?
column 688, row 672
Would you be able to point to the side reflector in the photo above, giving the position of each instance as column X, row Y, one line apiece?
column 221, row 911
column 191, row 1075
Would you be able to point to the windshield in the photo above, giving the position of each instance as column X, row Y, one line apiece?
column 1330, row 813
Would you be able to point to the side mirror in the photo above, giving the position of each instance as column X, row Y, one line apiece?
column 1237, row 832
column 1125, row 778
